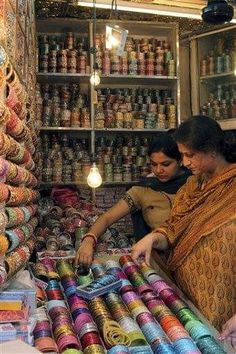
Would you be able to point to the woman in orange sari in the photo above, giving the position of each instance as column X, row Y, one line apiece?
column 201, row 230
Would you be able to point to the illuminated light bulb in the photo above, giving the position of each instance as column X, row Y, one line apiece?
column 116, row 38
column 95, row 78
column 235, row 71
column 94, row 178
column 112, row 41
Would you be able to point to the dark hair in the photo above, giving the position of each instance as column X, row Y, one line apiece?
column 165, row 143
column 201, row 133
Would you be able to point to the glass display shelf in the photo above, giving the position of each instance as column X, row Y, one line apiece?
column 105, row 79
column 132, row 130
column 228, row 75
column 133, row 79
column 64, row 129
column 62, row 78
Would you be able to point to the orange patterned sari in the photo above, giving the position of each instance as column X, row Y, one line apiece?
column 202, row 236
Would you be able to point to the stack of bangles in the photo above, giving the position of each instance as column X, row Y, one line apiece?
column 93, row 236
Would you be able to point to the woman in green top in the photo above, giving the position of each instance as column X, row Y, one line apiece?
column 153, row 196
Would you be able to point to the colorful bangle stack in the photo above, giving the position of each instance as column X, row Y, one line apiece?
column 15, row 152
column 14, row 125
column 16, row 260
column 16, row 147
column 3, row 221
column 4, row 192
column 19, row 175
column 3, row 169
column 4, row 244
column 12, row 171
column 4, row 143
column 15, row 216
column 4, row 114
column 12, row 100
column 21, row 195
column 42, row 332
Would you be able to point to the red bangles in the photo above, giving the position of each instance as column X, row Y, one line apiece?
column 90, row 235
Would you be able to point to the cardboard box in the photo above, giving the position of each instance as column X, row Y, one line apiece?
column 22, row 285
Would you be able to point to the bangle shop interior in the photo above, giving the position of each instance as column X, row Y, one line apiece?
column 95, row 100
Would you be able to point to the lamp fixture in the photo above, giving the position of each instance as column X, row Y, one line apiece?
column 217, row 12
column 94, row 178
column 95, row 78
column 116, row 38
column 115, row 35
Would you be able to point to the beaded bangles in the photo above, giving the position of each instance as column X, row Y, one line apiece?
column 4, row 113
column 4, row 244
column 90, row 234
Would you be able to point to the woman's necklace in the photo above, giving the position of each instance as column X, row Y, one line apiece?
column 203, row 182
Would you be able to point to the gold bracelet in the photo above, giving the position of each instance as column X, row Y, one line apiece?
column 90, row 234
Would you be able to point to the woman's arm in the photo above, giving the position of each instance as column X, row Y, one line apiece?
column 115, row 213
column 144, row 247
column 84, row 254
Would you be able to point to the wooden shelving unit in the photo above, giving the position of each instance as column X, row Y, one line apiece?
column 162, row 31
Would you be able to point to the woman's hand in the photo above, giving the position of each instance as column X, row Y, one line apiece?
column 144, row 247
column 84, row 255
column 229, row 331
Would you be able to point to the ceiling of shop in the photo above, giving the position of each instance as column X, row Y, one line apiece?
column 70, row 8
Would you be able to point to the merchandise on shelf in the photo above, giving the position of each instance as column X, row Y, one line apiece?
column 143, row 108
column 123, row 158
column 63, row 106
column 221, row 102
column 63, row 54
column 65, row 159
column 213, row 58
column 222, row 59
column 141, row 56
column 150, row 104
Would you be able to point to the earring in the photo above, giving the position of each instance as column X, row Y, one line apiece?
column 213, row 154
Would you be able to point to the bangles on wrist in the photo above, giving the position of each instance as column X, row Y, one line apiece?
column 90, row 234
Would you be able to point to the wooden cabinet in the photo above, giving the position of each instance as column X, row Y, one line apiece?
column 139, row 92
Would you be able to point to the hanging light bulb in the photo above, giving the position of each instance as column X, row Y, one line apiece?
column 95, row 78
column 94, row 178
